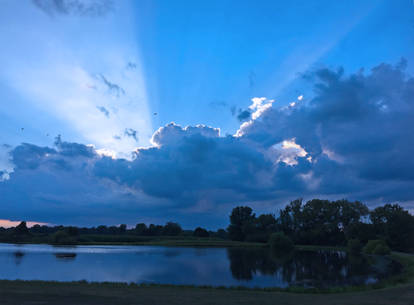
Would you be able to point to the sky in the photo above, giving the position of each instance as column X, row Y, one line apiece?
column 152, row 111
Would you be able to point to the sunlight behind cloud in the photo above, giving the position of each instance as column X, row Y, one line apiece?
column 97, row 95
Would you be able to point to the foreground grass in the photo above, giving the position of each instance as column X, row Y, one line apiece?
column 44, row 293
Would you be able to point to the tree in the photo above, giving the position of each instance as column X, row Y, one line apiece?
column 172, row 228
column 141, row 229
column 290, row 218
column 154, row 230
column 395, row 225
column 21, row 229
column 200, row 232
column 72, row 231
column 221, row 233
column 241, row 223
column 351, row 212
column 62, row 237
column 122, row 228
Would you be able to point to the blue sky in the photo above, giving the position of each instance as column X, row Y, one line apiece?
column 107, row 75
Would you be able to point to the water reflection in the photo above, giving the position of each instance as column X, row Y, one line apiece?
column 18, row 256
column 310, row 268
column 251, row 267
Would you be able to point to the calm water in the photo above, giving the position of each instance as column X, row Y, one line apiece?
column 195, row 266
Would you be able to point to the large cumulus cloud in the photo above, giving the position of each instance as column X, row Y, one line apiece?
column 352, row 139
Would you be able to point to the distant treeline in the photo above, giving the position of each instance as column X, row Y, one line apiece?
column 103, row 234
column 316, row 222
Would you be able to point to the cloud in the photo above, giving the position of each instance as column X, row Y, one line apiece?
column 6, row 165
column 103, row 110
column 129, row 132
column 287, row 152
column 243, row 115
column 113, row 88
column 353, row 139
column 131, row 65
column 89, row 8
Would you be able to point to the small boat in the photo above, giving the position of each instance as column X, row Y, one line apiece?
column 65, row 255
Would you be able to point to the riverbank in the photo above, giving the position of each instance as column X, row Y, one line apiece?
column 48, row 293
column 166, row 242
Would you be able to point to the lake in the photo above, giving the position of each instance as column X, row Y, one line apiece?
column 250, row 267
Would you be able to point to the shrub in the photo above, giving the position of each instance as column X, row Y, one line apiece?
column 354, row 246
column 62, row 237
column 200, row 232
column 377, row 247
column 382, row 249
column 257, row 237
column 279, row 242
column 172, row 228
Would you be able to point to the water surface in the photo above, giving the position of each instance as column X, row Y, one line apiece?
column 191, row 266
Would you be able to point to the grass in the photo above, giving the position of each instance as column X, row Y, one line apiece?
column 131, row 240
column 45, row 293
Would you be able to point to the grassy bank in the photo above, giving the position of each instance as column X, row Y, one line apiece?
column 159, row 241
column 45, row 293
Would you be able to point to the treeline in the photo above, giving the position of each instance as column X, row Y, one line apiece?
column 105, row 234
column 327, row 223
column 316, row 222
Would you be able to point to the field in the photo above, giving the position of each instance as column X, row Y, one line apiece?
column 42, row 293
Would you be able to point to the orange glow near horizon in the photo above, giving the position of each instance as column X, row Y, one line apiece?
column 6, row 223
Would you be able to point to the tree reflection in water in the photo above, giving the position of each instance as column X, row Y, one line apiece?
column 309, row 268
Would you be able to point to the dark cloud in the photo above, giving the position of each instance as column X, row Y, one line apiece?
column 74, row 149
column 90, row 8
column 131, row 65
column 112, row 87
column 129, row 132
column 103, row 110
column 353, row 140
column 243, row 115
column 359, row 125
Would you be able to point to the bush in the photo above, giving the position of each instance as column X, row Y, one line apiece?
column 172, row 229
column 279, row 242
column 354, row 246
column 62, row 237
column 200, row 232
column 221, row 233
column 382, row 249
column 257, row 237
column 377, row 247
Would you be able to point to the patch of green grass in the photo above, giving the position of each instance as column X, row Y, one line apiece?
column 168, row 241
column 45, row 293
column 316, row 248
